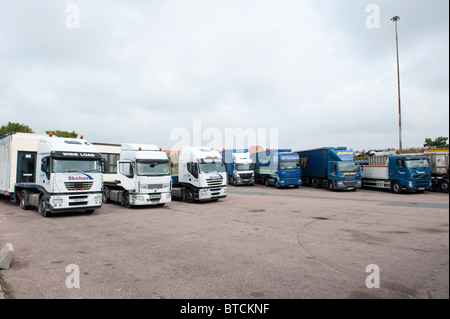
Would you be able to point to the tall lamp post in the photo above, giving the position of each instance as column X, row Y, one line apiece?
column 395, row 19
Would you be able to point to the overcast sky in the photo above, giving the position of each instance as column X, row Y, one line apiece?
column 321, row 72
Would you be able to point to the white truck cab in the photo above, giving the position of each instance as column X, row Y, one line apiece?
column 201, row 175
column 143, row 177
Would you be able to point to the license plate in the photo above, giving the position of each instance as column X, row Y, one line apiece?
column 78, row 200
column 421, row 189
column 155, row 196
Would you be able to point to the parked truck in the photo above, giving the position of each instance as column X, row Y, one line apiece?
column 277, row 167
column 331, row 167
column 50, row 173
column 240, row 167
column 201, row 175
column 141, row 175
column 439, row 166
column 397, row 173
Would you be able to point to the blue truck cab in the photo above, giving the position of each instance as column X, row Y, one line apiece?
column 409, row 172
column 278, row 167
column 331, row 167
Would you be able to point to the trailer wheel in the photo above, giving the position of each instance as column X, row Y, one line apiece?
column 443, row 186
column 396, row 187
column 331, row 185
column 24, row 201
column 190, row 196
column 42, row 209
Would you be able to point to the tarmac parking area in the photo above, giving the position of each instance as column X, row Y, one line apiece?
column 259, row 242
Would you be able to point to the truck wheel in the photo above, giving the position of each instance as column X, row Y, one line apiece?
column 190, row 196
column 331, row 185
column 23, row 201
column 316, row 183
column 104, row 197
column 443, row 186
column 42, row 209
column 396, row 187
column 126, row 200
column 277, row 185
column 266, row 181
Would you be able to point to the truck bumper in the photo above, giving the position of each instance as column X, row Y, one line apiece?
column 347, row 185
column 290, row 182
column 240, row 181
column 205, row 194
column 64, row 203
column 419, row 185
column 150, row 199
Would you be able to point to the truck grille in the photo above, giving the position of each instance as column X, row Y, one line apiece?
column 421, row 176
column 152, row 186
column 422, row 184
column 246, row 176
column 350, row 183
column 78, row 186
column 214, row 182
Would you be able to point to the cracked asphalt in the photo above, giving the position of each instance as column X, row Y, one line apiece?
column 258, row 243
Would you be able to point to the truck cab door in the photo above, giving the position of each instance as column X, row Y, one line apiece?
column 125, row 174
column 397, row 171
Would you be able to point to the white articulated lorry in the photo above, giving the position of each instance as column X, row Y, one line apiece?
column 51, row 173
column 202, row 175
column 142, row 176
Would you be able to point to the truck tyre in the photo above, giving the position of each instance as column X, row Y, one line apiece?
column 42, row 209
column 190, row 196
column 24, row 201
column 443, row 186
column 266, row 181
column 396, row 188
column 331, row 185
column 104, row 197
column 126, row 200
column 277, row 185
column 316, row 183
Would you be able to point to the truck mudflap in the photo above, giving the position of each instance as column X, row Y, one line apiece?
column 70, row 202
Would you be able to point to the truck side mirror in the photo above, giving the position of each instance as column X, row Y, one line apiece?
column 44, row 164
column 103, row 164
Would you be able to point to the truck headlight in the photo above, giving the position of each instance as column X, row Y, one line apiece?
column 166, row 185
column 410, row 184
column 57, row 201
column 168, row 196
column 203, row 193
column 139, row 197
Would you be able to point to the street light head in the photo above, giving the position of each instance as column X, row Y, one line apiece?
column 396, row 18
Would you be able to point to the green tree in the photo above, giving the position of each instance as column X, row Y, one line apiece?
column 439, row 142
column 63, row 133
column 15, row 127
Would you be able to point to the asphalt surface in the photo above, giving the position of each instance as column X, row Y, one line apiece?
column 259, row 242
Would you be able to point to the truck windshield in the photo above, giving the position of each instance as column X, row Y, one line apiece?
column 152, row 168
column 76, row 166
column 345, row 167
column 289, row 165
column 211, row 167
column 244, row 167
column 417, row 163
